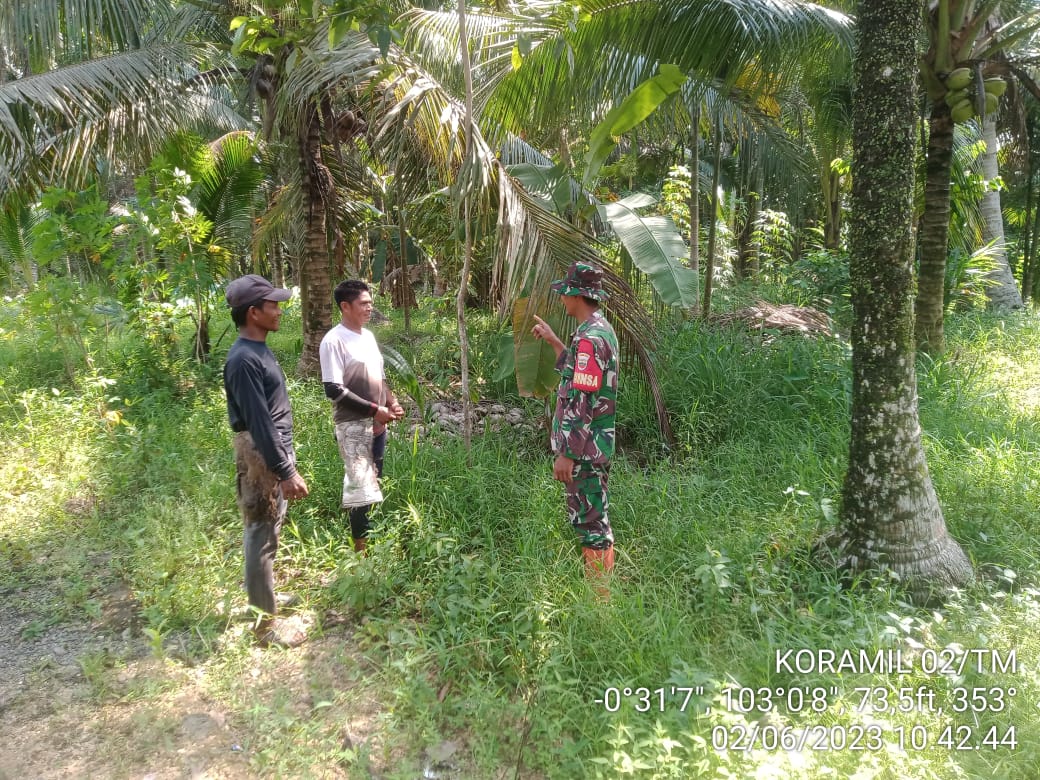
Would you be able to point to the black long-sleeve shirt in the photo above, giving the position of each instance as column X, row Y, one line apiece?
column 258, row 402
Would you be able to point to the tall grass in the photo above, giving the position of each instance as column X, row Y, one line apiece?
column 471, row 614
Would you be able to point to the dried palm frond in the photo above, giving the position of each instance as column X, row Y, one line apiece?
column 783, row 317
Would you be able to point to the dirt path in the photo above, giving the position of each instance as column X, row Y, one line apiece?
column 88, row 698
column 93, row 697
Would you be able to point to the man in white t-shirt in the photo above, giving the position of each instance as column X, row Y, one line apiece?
column 362, row 403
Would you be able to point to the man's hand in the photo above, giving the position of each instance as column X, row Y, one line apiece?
column 541, row 330
column 384, row 415
column 397, row 410
column 563, row 469
column 294, row 487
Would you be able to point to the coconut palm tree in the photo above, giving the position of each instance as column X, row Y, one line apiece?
column 311, row 63
column 1026, row 214
column 1008, row 127
column 891, row 518
column 87, row 80
column 961, row 33
column 1002, row 290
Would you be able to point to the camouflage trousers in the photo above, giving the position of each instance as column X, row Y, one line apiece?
column 588, row 505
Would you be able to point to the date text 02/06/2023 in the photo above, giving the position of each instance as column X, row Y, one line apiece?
column 871, row 737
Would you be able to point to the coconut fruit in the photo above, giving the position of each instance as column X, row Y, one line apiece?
column 958, row 79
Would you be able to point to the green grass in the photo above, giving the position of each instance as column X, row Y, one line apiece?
column 470, row 616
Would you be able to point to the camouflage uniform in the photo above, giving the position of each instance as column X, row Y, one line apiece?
column 583, row 425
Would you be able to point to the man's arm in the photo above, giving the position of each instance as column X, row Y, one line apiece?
column 584, row 378
column 294, row 487
column 575, row 421
column 246, row 384
column 339, row 394
column 391, row 400
column 563, row 469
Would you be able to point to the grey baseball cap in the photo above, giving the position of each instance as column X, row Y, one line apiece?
column 252, row 288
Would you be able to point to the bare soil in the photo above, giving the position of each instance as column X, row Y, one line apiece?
column 94, row 697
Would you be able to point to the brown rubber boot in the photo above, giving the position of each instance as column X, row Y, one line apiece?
column 598, row 567
column 360, row 545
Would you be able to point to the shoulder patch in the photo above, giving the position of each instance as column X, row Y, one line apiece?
column 588, row 376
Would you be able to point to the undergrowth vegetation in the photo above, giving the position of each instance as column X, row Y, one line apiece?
column 470, row 613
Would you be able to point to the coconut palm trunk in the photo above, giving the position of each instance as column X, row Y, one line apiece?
column 891, row 518
column 1027, row 233
column 1031, row 260
column 713, row 228
column 935, row 231
column 315, row 278
column 460, row 300
column 1003, row 294
column 831, row 182
column 695, row 187
column 1029, row 226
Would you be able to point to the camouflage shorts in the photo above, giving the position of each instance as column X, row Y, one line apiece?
column 588, row 505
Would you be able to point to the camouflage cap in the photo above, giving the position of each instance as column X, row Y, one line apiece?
column 582, row 279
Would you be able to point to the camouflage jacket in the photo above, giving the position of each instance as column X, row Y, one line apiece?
column 583, row 426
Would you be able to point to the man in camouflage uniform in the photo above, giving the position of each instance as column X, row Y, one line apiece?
column 583, row 425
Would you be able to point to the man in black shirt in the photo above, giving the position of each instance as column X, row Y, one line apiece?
column 260, row 415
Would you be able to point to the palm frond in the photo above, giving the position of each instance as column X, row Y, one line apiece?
column 313, row 70
column 229, row 185
column 16, row 224
column 66, row 31
column 621, row 43
column 966, row 219
column 534, row 245
column 495, row 42
column 278, row 227
column 196, row 20
column 54, row 124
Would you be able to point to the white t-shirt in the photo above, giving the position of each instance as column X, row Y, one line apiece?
column 353, row 360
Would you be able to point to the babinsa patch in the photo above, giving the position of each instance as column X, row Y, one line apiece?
column 588, row 375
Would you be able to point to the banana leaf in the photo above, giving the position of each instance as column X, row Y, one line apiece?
column 535, row 361
column 656, row 248
column 550, row 184
column 641, row 103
